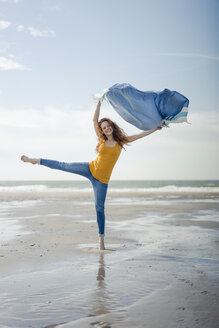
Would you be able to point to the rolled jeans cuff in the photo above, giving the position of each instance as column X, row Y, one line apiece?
column 101, row 235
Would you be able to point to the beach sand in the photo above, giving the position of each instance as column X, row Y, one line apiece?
column 160, row 268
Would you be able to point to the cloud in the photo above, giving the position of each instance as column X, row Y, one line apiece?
column 9, row 64
column 36, row 32
column 48, row 33
column 4, row 25
column 52, row 118
column 182, row 151
column 44, row 131
column 41, row 33
column 20, row 28
column 191, row 55
column 14, row 1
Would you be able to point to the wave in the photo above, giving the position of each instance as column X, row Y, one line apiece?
column 165, row 189
column 24, row 188
column 42, row 188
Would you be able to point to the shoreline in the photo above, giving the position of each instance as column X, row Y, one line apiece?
column 27, row 195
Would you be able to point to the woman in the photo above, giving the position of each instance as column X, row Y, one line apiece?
column 111, row 139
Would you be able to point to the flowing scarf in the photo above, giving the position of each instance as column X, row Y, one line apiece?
column 147, row 109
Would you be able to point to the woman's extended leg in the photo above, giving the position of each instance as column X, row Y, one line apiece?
column 76, row 168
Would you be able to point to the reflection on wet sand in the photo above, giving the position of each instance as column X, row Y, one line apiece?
column 102, row 302
column 102, row 297
column 101, row 271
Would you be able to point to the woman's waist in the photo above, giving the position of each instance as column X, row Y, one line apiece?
column 101, row 165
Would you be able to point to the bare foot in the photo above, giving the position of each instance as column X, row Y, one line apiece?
column 29, row 160
column 101, row 244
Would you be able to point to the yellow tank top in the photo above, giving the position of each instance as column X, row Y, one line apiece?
column 101, row 168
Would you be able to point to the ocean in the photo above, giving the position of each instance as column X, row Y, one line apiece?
column 155, row 186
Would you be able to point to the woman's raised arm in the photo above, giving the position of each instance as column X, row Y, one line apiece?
column 142, row 134
column 96, row 117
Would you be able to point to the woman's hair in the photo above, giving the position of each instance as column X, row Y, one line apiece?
column 118, row 134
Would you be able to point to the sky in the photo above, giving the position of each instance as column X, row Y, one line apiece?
column 55, row 54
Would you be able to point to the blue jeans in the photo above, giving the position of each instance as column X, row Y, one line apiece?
column 100, row 189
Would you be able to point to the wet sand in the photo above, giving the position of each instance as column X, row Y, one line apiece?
column 160, row 268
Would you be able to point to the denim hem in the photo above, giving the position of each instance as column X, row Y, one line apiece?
column 101, row 235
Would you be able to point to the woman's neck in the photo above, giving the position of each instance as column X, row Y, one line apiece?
column 110, row 138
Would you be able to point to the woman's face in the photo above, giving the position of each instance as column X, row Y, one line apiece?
column 106, row 128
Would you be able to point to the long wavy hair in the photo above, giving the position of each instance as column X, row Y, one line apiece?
column 118, row 134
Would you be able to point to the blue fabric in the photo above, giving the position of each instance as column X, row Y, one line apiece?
column 147, row 109
column 100, row 189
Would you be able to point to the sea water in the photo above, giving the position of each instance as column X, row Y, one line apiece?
column 115, row 185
